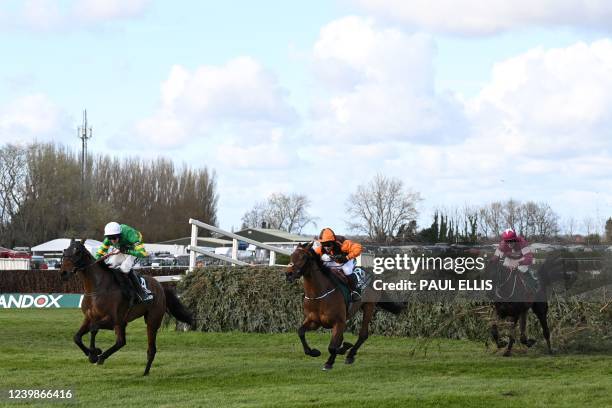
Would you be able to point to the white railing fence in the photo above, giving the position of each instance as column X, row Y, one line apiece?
column 233, row 260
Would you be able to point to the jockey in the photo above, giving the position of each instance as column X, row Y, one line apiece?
column 127, row 244
column 339, row 252
column 515, row 253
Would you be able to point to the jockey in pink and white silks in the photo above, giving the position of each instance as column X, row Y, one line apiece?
column 514, row 253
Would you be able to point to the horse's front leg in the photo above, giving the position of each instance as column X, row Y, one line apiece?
column 512, row 336
column 307, row 326
column 94, row 351
column 334, row 344
column 119, row 342
column 495, row 335
column 523, row 329
column 78, row 337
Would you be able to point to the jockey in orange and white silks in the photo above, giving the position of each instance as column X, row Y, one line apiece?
column 339, row 252
column 514, row 251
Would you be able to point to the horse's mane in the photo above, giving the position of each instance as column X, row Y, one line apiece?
column 312, row 255
column 89, row 257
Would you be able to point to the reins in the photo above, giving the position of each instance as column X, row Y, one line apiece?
column 322, row 296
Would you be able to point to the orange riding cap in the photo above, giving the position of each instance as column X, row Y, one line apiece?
column 348, row 247
column 327, row 235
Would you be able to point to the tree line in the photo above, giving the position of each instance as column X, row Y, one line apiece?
column 384, row 210
column 42, row 195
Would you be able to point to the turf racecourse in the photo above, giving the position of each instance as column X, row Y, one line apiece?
column 238, row 369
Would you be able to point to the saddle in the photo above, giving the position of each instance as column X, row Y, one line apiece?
column 124, row 284
column 340, row 281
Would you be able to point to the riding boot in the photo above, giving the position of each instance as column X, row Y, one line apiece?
column 143, row 296
column 123, row 281
column 353, row 283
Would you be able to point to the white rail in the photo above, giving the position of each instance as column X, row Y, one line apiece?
column 194, row 249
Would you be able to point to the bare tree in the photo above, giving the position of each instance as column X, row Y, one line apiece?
column 570, row 227
column 512, row 215
column 12, row 187
column 47, row 199
column 545, row 221
column 491, row 219
column 380, row 207
column 280, row 211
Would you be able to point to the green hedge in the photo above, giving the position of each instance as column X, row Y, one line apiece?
column 49, row 280
column 258, row 299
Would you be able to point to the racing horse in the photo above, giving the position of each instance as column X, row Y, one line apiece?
column 105, row 307
column 324, row 306
column 512, row 299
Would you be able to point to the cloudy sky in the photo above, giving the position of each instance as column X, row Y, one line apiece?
column 466, row 101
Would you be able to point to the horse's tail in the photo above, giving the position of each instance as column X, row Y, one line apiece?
column 176, row 308
column 392, row 307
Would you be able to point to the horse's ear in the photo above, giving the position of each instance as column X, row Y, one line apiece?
column 83, row 240
column 71, row 241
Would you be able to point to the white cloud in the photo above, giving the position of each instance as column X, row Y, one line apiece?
column 378, row 85
column 240, row 99
column 56, row 15
column 256, row 157
column 476, row 17
column 33, row 118
column 549, row 103
column 105, row 10
column 42, row 14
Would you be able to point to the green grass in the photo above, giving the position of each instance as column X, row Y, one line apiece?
column 238, row 369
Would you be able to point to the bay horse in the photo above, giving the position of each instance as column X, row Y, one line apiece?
column 324, row 306
column 512, row 299
column 105, row 307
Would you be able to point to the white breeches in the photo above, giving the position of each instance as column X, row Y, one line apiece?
column 346, row 267
column 123, row 262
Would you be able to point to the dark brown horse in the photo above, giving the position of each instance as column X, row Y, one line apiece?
column 105, row 306
column 512, row 299
column 324, row 306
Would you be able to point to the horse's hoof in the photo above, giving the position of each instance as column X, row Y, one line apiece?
column 529, row 342
column 349, row 360
column 314, row 353
column 93, row 358
column 327, row 367
column 100, row 361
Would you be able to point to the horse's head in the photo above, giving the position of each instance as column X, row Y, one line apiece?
column 298, row 261
column 74, row 257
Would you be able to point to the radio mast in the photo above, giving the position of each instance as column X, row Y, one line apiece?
column 84, row 133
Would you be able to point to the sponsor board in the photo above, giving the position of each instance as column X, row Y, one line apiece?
column 40, row 300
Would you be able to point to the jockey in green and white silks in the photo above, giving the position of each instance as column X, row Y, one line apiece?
column 128, row 246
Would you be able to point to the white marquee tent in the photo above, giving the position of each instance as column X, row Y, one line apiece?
column 56, row 246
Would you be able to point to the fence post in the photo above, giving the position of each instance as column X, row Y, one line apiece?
column 194, row 242
column 234, row 250
column 272, row 258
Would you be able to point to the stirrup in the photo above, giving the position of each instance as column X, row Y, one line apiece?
column 144, row 297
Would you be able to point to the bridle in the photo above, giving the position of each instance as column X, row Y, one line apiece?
column 297, row 273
